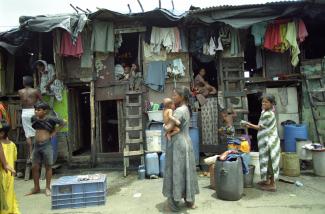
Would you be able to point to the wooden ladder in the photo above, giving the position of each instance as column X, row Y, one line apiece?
column 316, row 97
column 133, row 146
column 233, row 86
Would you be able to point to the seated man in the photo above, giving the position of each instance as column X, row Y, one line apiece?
column 202, row 86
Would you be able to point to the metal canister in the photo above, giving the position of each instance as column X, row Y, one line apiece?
column 141, row 172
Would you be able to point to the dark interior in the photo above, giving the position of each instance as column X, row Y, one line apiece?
column 128, row 52
column 211, row 71
column 109, row 126
column 314, row 45
column 254, row 107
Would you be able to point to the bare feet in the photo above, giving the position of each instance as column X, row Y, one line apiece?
column 269, row 187
column 47, row 192
column 262, row 183
column 190, row 205
column 33, row 192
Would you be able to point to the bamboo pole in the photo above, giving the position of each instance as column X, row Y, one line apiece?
column 140, row 5
column 92, row 122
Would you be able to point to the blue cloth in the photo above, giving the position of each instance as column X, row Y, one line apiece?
column 156, row 75
column 244, row 158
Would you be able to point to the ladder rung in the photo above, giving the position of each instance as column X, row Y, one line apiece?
column 319, row 103
column 320, row 90
column 135, row 141
column 234, row 94
column 312, row 77
column 136, row 128
column 132, row 153
column 133, row 104
column 234, row 79
column 134, row 116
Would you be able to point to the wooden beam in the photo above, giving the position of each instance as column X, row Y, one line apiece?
column 159, row 4
column 92, row 122
column 129, row 8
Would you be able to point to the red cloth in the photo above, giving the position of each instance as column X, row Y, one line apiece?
column 272, row 36
column 67, row 48
column 302, row 31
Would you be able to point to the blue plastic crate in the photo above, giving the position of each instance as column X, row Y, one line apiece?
column 68, row 192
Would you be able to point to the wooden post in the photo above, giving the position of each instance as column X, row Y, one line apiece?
column 173, row 5
column 140, row 5
column 159, row 4
column 129, row 8
column 92, row 123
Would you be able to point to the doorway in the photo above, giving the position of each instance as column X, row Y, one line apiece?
column 109, row 127
column 211, row 72
column 254, row 107
column 79, row 121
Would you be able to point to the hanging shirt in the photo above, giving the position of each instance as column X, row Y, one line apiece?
column 258, row 31
column 272, row 36
column 68, row 48
column 167, row 37
column 284, row 45
column 156, row 75
column 235, row 42
column 102, row 38
column 291, row 37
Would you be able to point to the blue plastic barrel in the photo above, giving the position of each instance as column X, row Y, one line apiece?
column 54, row 142
column 293, row 132
column 195, row 138
column 152, row 164
column 162, row 164
column 159, row 126
column 194, row 119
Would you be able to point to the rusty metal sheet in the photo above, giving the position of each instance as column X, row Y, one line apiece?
column 113, row 92
column 104, row 65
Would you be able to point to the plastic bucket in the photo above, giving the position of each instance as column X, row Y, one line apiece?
column 293, row 132
column 319, row 162
column 195, row 138
column 303, row 154
column 291, row 164
column 249, row 178
column 255, row 161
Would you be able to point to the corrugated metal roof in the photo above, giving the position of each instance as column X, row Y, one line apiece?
column 226, row 7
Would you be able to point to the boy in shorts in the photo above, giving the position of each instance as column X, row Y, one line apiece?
column 46, row 127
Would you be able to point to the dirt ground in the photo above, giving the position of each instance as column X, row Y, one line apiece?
column 129, row 195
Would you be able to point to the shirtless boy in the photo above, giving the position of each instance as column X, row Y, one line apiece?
column 168, row 117
column 46, row 127
column 28, row 97
column 228, row 120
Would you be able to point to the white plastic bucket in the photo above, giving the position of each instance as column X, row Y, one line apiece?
column 255, row 160
column 319, row 162
column 155, row 116
column 303, row 154
column 153, row 139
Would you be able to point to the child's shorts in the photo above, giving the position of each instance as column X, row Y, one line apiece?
column 43, row 153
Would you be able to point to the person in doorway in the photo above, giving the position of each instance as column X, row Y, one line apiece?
column 46, row 127
column 29, row 96
column 49, row 84
column 180, row 179
column 169, row 106
column 268, row 144
column 8, row 152
column 202, row 86
column 127, row 72
column 135, row 78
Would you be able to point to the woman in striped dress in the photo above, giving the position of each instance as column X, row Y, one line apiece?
column 268, row 144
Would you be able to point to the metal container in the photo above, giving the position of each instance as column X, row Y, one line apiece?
column 141, row 172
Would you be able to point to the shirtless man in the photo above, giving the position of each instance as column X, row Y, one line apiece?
column 28, row 97
column 202, row 86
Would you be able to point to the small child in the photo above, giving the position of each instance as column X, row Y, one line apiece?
column 8, row 156
column 45, row 127
column 228, row 120
column 168, row 117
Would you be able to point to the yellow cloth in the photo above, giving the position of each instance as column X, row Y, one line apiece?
column 284, row 46
column 243, row 147
column 291, row 37
column 7, row 182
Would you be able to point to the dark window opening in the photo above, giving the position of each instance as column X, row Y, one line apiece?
column 211, row 72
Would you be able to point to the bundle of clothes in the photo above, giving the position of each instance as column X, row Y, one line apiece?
column 280, row 36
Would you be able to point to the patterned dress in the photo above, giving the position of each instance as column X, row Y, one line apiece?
column 180, row 179
column 7, row 180
column 268, row 145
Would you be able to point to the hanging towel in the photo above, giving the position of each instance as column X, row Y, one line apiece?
column 272, row 36
column 302, row 31
column 291, row 37
column 258, row 31
column 156, row 75
column 102, row 38
column 235, row 42
column 87, row 56
column 68, row 48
